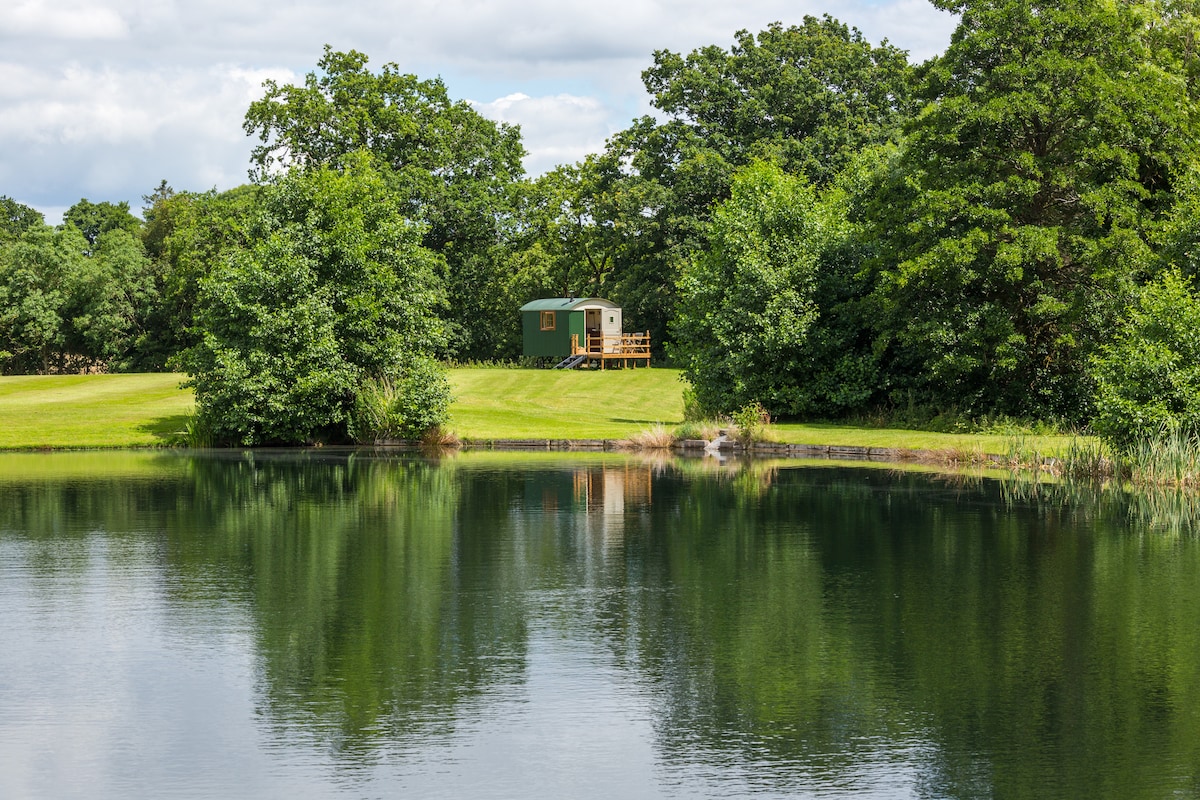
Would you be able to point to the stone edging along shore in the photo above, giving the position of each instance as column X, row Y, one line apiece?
column 728, row 447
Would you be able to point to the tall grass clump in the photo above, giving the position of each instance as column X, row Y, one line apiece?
column 656, row 437
column 196, row 433
column 411, row 406
column 1170, row 459
column 1089, row 461
column 706, row 429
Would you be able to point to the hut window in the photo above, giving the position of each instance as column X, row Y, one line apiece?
column 547, row 320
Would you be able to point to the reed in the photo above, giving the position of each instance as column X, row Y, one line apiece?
column 1170, row 459
column 195, row 433
column 707, row 430
column 656, row 437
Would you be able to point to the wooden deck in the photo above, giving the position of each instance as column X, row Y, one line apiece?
column 626, row 348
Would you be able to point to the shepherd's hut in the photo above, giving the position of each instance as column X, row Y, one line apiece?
column 580, row 332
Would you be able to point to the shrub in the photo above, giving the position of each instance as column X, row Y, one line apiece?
column 408, row 406
column 332, row 287
column 750, row 420
column 693, row 410
column 1148, row 379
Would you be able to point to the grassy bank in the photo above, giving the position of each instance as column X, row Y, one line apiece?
column 544, row 404
column 84, row 411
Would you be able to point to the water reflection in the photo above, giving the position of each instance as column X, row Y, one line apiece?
column 597, row 625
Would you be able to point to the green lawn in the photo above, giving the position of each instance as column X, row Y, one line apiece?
column 86, row 411
column 562, row 404
column 39, row 411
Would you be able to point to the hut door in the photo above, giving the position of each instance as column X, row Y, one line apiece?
column 592, row 325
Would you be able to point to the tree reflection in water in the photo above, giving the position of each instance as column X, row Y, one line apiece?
column 799, row 628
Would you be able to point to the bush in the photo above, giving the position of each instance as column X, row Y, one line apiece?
column 747, row 306
column 1148, row 379
column 408, row 406
column 333, row 287
column 751, row 421
column 693, row 410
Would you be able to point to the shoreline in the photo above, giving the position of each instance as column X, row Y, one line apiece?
column 687, row 447
column 699, row 447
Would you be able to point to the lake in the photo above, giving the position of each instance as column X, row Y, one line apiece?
column 363, row 624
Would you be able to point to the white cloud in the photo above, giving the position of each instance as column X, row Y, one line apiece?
column 102, row 98
column 556, row 129
column 113, row 134
column 914, row 25
column 59, row 20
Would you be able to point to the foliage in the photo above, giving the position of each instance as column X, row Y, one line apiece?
column 116, row 297
column 69, row 304
column 95, row 219
column 1148, row 378
column 751, row 421
column 449, row 167
column 332, row 288
column 626, row 223
column 17, row 218
column 747, row 307
column 1169, row 457
column 1022, row 208
column 407, row 406
column 705, row 429
column 39, row 274
column 693, row 411
column 807, row 97
column 187, row 235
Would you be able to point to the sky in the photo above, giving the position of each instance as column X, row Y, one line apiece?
column 103, row 99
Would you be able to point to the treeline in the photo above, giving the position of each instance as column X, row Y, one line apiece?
column 810, row 223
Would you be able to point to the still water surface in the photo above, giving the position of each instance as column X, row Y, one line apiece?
column 361, row 625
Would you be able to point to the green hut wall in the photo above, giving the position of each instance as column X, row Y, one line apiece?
column 569, row 319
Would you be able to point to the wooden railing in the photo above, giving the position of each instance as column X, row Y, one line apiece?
column 615, row 345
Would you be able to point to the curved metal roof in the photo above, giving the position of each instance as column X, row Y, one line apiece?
column 567, row 304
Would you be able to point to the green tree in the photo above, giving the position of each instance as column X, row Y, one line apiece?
column 333, row 288
column 808, row 97
column 40, row 274
column 115, row 298
column 187, row 235
column 452, row 169
column 94, row 219
column 16, row 218
column 748, row 307
column 588, row 216
column 804, row 97
column 1022, row 209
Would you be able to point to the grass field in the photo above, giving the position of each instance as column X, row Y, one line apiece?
column 563, row 404
column 81, row 411
column 90, row 411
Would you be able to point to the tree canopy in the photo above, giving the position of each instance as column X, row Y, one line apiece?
column 16, row 218
column 1023, row 206
column 451, row 168
column 333, row 287
column 808, row 96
